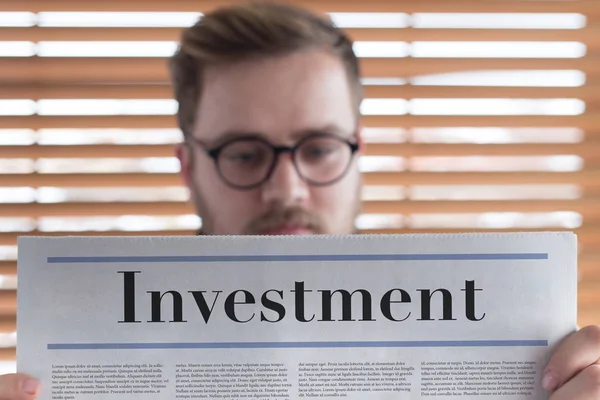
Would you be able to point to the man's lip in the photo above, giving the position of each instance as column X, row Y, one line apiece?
column 289, row 230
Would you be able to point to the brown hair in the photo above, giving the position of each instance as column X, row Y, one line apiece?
column 254, row 29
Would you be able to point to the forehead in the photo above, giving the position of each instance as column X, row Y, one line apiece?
column 276, row 97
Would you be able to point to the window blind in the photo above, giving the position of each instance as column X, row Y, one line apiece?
column 480, row 115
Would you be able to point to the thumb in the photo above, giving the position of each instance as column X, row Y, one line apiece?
column 18, row 387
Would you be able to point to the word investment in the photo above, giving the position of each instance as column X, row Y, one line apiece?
column 238, row 306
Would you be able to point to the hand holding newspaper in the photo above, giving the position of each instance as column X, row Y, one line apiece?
column 358, row 317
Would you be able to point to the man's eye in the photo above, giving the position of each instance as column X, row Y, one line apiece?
column 318, row 151
column 241, row 157
column 247, row 157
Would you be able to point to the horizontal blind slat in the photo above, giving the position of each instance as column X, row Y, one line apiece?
column 586, row 121
column 587, row 206
column 588, row 7
column 586, row 178
column 88, row 151
column 583, row 206
column 154, row 69
column 590, row 35
column 583, row 178
column 590, row 150
column 8, row 353
column 37, row 210
column 586, row 93
column 8, row 303
column 8, row 267
column 589, row 92
column 8, row 324
column 587, row 149
column 10, row 238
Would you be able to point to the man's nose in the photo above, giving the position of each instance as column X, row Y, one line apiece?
column 285, row 186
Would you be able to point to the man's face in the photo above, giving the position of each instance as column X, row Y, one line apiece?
column 283, row 101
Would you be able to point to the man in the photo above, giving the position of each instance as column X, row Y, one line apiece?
column 269, row 101
column 268, row 76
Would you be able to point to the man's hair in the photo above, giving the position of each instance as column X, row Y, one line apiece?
column 249, row 31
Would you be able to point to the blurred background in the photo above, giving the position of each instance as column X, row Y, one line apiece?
column 481, row 114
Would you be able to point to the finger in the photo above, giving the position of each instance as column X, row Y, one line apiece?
column 573, row 355
column 585, row 386
column 18, row 387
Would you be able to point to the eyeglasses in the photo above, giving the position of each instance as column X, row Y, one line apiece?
column 247, row 162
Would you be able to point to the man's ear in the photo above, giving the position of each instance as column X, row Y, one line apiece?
column 182, row 151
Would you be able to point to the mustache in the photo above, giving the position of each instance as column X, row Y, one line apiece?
column 278, row 217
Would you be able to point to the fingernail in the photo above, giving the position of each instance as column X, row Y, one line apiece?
column 549, row 382
column 30, row 386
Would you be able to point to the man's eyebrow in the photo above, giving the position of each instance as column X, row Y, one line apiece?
column 230, row 135
column 330, row 129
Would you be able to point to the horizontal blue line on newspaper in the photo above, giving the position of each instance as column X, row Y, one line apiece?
column 302, row 257
column 297, row 345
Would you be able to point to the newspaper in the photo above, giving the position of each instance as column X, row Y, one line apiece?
column 355, row 317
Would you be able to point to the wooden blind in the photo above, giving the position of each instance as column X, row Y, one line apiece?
column 481, row 115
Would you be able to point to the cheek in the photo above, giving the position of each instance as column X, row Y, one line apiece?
column 325, row 200
column 229, row 210
column 336, row 201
